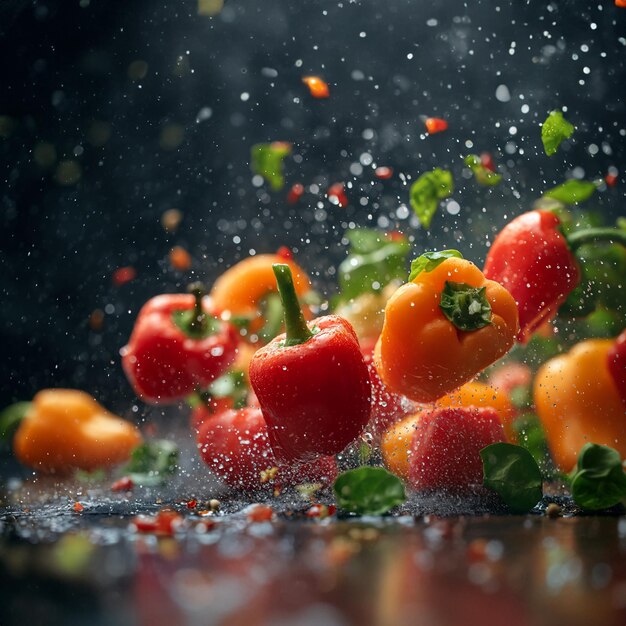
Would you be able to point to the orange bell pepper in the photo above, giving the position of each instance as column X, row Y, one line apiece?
column 396, row 443
column 66, row 429
column 443, row 327
column 248, row 290
column 578, row 401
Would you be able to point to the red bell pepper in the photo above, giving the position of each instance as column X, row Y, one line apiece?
column 311, row 382
column 176, row 347
column 617, row 364
column 533, row 260
column 235, row 446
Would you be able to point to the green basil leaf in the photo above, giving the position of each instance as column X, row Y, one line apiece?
column 512, row 472
column 266, row 160
column 371, row 271
column 368, row 491
column 483, row 175
column 427, row 191
column 599, row 480
column 465, row 306
column 572, row 191
column 555, row 130
column 151, row 463
column 428, row 261
column 10, row 419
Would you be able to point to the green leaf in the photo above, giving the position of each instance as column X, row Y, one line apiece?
column 231, row 385
column 368, row 491
column 152, row 462
column 10, row 419
column 428, row 261
column 599, row 480
column 483, row 175
column 465, row 306
column 572, row 191
column 266, row 160
column 512, row 472
column 374, row 261
column 555, row 130
column 427, row 191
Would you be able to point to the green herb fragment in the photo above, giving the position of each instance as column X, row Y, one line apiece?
column 10, row 419
column 428, row 261
column 231, row 385
column 572, row 191
column 512, row 472
column 465, row 306
column 368, row 491
column 375, row 259
column 555, row 130
column 184, row 319
column 427, row 191
column 152, row 463
column 266, row 160
column 599, row 480
column 483, row 175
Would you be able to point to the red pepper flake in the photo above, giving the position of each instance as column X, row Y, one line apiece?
column 123, row 275
column 284, row 253
column 383, row 172
column 96, row 320
column 191, row 504
column 78, row 507
column 317, row 87
column 180, row 259
column 486, row 160
column 123, row 484
column 295, row 193
column 435, row 125
column 337, row 195
column 165, row 522
column 611, row 179
column 395, row 235
column 260, row 513
column 321, row 511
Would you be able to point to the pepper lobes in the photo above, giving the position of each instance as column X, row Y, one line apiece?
column 616, row 360
column 443, row 328
column 311, row 382
column 176, row 347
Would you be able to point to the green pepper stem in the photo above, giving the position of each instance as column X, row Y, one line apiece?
column 297, row 330
column 198, row 322
column 590, row 235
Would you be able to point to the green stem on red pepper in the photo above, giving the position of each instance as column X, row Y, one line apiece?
column 197, row 323
column 297, row 330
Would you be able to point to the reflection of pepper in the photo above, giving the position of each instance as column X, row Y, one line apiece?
column 248, row 290
column 578, row 402
column 67, row 429
column 442, row 329
column 176, row 347
column 311, row 382
column 616, row 359
column 532, row 258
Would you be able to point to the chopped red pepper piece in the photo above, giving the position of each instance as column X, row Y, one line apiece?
column 176, row 347
column 165, row 522
column 486, row 160
column 284, row 253
column 180, row 259
column 311, row 382
column 611, row 179
column 620, row 3
column 295, row 193
column 383, row 172
column 337, row 195
column 435, row 125
column 123, row 484
column 123, row 275
column 78, row 507
column 317, row 87
column 259, row 513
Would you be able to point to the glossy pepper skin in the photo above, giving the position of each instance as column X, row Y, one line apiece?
column 578, row 401
column 164, row 362
column 617, row 364
column 248, row 290
column 421, row 353
column 66, row 429
column 531, row 258
column 311, row 382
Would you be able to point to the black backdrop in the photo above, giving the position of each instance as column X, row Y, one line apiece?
column 139, row 107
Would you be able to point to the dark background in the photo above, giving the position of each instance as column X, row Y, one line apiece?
column 71, row 90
